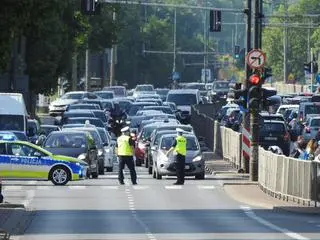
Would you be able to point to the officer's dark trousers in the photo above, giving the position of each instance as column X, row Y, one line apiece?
column 127, row 160
column 180, row 165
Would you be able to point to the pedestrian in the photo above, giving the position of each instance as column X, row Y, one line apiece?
column 179, row 147
column 299, row 148
column 311, row 149
column 125, row 152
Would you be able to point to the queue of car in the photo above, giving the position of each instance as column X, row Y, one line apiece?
column 81, row 142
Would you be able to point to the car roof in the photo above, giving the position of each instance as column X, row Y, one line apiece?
column 48, row 125
column 104, row 91
column 174, row 135
column 274, row 121
column 183, row 91
column 271, row 114
column 65, row 131
column 74, row 92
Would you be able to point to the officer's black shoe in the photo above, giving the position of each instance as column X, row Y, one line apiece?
column 121, row 183
column 177, row 183
column 134, row 183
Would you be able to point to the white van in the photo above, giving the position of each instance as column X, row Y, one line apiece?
column 184, row 99
column 13, row 112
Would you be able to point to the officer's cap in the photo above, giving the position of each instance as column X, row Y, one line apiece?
column 179, row 130
column 125, row 129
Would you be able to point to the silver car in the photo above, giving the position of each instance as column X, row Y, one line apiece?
column 311, row 127
column 164, row 166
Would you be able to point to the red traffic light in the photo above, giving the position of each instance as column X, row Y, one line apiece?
column 255, row 79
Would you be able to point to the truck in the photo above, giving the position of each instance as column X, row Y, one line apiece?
column 13, row 112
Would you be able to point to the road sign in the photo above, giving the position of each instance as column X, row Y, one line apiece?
column 175, row 76
column 205, row 75
column 256, row 58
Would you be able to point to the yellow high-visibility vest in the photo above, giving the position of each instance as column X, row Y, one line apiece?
column 181, row 146
column 124, row 148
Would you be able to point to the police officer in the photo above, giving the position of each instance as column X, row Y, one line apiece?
column 125, row 151
column 179, row 147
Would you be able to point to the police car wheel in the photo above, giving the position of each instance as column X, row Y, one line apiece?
column 60, row 175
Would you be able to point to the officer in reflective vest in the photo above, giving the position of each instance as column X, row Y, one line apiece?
column 125, row 151
column 179, row 147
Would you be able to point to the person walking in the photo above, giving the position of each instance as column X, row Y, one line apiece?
column 125, row 152
column 179, row 147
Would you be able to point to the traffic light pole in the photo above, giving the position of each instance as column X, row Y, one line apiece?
column 254, row 111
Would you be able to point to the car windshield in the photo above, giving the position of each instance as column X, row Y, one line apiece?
column 182, row 99
column 105, row 95
column 166, row 143
column 66, row 140
column 72, row 96
column 96, row 137
column 221, row 85
column 82, row 106
column 95, row 122
column 12, row 122
column 144, row 88
column 162, row 91
column 201, row 87
column 117, row 91
column 47, row 130
column 272, row 127
column 124, row 105
column 21, row 136
column 146, row 132
column 312, row 109
column 101, row 115
column 136, row 107
column 107, row 105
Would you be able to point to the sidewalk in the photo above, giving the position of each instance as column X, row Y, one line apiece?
column 14, row 218
column 238, row 186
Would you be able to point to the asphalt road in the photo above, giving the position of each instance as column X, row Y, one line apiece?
column 152, row 210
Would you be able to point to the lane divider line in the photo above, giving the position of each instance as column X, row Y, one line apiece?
column 250, row 213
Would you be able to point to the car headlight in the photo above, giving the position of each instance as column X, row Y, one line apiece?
column 128, row 122
column 100, row 152
column 197, row 158
column 213, row 93
column 107, row 150
column 82, row 156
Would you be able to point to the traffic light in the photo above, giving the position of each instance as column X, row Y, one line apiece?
column 237, row 51
column 270, row 98
column 238, row 95
column 215, row 21
column 255, row 91
column 267, row 73
column 90, row 7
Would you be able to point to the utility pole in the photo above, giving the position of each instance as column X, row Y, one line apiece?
column 112, row 57
column 285, row 43
column 254, row 112
column 174, row 41
column 74, row 72
column 86, row 83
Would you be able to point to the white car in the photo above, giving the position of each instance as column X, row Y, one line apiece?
column 58, row 106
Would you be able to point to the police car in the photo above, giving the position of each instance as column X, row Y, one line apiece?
column 24, row 160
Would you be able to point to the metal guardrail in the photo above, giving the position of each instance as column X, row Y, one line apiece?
column 4, row 235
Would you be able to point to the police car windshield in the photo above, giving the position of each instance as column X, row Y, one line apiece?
column 167, row 142
column 66, row 140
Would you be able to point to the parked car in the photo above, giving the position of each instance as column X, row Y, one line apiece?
column 78, row 145
column 311, row 127
column 164, row 165
column 219, row 90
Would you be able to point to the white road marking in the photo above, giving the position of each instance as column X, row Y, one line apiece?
column 173, row 187
column 77, row 187
column 12, row 188
column 110, row 187
column 250, row 213
column 139, row 187
column 206, row 187
column 32, row 182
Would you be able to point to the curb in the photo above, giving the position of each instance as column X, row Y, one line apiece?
column 239, row 183
column 11, row 205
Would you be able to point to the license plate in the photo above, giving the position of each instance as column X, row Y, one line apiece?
column 271, row 138
column 187, row 167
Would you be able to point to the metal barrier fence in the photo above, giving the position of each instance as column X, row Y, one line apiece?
column 203, row 127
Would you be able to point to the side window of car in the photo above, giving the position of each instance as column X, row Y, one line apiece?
column 23, row 150
column 92, row 96
column 2, row 148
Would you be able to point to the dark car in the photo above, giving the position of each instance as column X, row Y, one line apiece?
column 275, row 133
column 102, row 116
column 47, row 129
column 92, row 101
column 74, row 144
column 136, row 106
column 75, row 114
column 82, row 120
column 164, row 109
column 219, row 90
